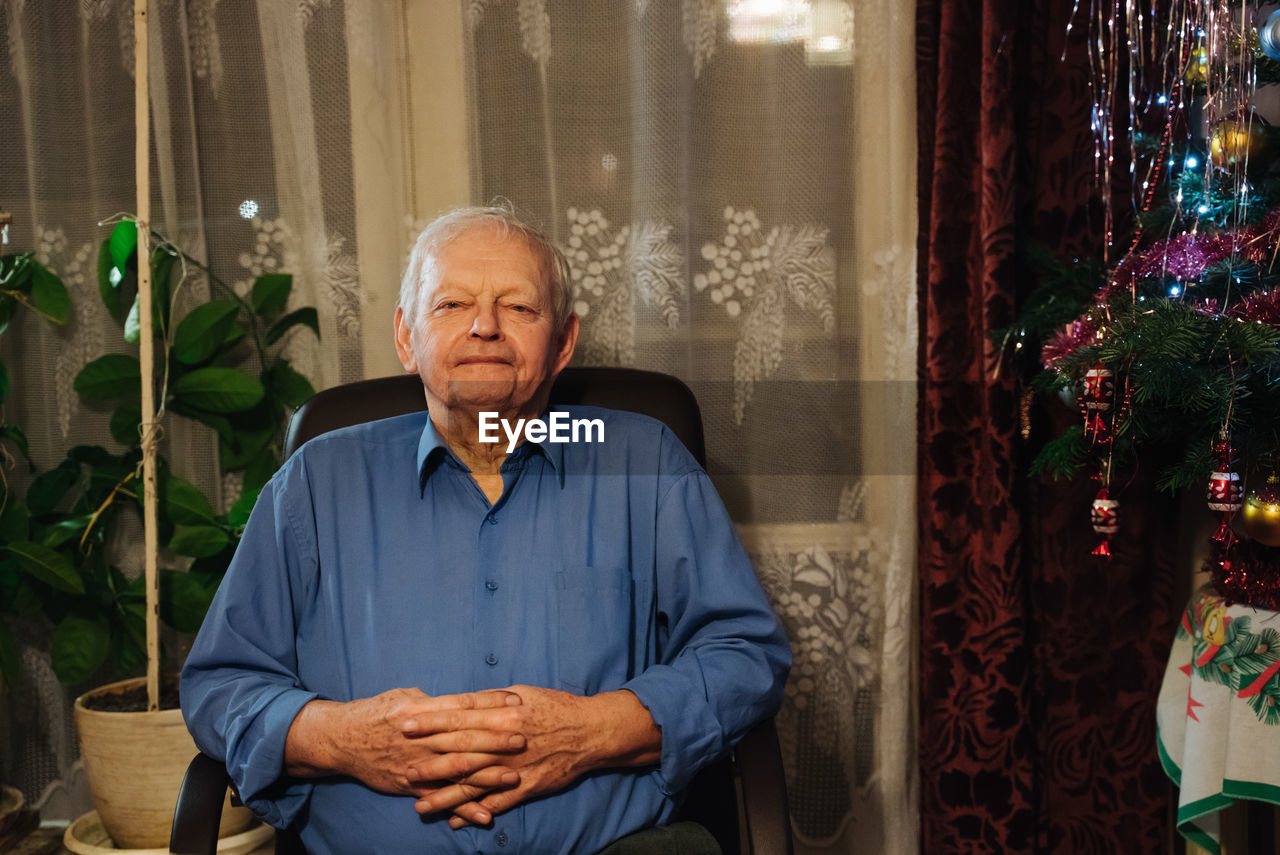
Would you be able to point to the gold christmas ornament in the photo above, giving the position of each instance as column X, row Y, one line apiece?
column 1197, row 73
column 1234, row 141
column 1260, row 516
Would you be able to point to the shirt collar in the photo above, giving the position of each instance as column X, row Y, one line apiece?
column 432, row 450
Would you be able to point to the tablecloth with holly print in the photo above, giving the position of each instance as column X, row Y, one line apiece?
column 1218, row 717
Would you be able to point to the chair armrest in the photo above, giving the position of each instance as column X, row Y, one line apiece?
column 199, row 808
column 764, row 791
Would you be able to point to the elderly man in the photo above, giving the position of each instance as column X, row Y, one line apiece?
column 428, row 642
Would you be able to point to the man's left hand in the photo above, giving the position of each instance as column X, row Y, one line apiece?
column 566, row 736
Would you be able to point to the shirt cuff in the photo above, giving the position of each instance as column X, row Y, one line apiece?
column 258, row 771
column 691, row 734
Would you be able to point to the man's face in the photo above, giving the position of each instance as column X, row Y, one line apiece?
column 484, row 337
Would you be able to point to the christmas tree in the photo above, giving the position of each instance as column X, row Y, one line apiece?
column 1170, row 346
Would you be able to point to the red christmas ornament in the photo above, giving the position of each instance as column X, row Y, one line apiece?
column 1226, row 493
column 1097, row 391
column 1105, row 521
column 1099, row 388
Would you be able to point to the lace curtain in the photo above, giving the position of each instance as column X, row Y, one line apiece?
column 237, row 155
column 729, row 196
column 737, row 202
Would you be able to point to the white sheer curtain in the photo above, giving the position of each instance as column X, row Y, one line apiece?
column 251, row 155
column 735, row 193
column 739, row 208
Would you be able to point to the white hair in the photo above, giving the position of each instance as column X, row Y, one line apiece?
column 508, row 224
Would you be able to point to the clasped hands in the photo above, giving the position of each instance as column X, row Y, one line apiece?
column 475, row 754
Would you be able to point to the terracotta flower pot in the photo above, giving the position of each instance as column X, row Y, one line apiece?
column 135, row 762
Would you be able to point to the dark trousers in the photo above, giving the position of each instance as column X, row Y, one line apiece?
column 679, row 838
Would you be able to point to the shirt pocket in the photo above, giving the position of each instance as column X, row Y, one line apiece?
column 594, row 628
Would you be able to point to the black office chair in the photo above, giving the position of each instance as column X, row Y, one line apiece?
column 742, row 800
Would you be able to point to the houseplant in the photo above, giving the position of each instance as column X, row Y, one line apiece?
column 220, row 364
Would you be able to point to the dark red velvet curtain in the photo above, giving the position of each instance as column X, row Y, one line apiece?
column 1040, row 665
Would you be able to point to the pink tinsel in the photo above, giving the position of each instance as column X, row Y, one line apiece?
column 1263, row 308
column 1186, row 256
column 1076, row 335
column 1258, row 244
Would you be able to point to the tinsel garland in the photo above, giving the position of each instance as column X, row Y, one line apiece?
column 1246, row 572
column 1066, row 342
column 1185, row 258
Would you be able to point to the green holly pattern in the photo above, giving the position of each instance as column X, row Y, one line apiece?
column 1246, row 662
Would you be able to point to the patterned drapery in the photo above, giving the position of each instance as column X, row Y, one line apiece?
column 1040, row 665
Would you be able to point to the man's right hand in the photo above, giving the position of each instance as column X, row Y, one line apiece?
column 459, row 738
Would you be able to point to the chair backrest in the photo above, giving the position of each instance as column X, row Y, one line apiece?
column 710, row 799
column 661, row 396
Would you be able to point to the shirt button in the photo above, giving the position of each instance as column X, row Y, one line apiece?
column 491, row 585
column 493, row 520
column 491, row 659
column 501, row 838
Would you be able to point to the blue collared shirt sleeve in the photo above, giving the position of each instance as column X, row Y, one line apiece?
column 240, row 690
column 724, row 657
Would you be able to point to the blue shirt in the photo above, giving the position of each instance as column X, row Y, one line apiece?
column 373, row 560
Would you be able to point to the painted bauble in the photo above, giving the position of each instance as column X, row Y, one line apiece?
column 1224, row 491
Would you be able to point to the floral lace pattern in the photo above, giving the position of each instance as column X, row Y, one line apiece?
column 610, row 270
column 755, row 274
column 83, row 336
column 827, row 597
column 336, row 279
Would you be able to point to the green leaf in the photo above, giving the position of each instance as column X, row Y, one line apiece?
column 52, row 568
column 307, row 316
column 239, row 513
column 219, row 390
column 49, row 295
column 214, row 566
column 271, row 292
column 125, row 422
column 217, row 422
column 8, row 306
column 58, row 533
column 162, row 262
column 288, row 386
column 14, row 434
column 129, row 637
column 25, row 599
column 47, row 490
column 109, row 282
column 95, row 455
column 185, row 598
column 204, row 330
column 112, row 376
column 10, row 671
column 15, row 272
column 184, row 503
column 4, row 382
column 260, row 469
column 198, row 541
column 133, row 323
column 79, row 647
column 15, row 522
column 240, row 449
column 123, row 243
